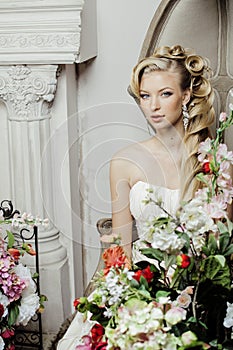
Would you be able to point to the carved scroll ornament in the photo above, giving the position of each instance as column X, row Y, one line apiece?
column 28, row 91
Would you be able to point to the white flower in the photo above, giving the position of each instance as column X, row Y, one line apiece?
column 163, row 238
column 30, row 301
column 25, row 274
column 175, row 315
column 167, row 242
column 188, row 337
column 195, row 218
column 27, row 309
column 228, row 320
column 2, row 344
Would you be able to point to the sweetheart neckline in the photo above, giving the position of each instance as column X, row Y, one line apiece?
column 155, row 186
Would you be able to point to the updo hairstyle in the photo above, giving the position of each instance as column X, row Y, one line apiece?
column 194, row 74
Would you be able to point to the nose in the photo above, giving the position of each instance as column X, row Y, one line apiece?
column 154, row 103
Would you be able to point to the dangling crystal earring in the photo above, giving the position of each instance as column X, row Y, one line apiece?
column 185, row 116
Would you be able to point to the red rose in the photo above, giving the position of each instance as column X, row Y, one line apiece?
column 14, row 252
column 97, row 332
column 10, row 347
column 101, row 346
column 206, row 167
column 8, row 333
column 1, row 310
column 76, row 302
column 146, row 273
column 183, row 261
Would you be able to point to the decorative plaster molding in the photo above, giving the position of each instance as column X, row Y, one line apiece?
column 47, row 31
column 28, row 91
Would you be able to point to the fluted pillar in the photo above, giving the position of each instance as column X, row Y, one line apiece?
column 28, row 92
column 40, row 40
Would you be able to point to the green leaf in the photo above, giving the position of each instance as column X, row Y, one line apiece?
column 169, row 260
column 212, row 244
column 229, row 250
column 224, row 241
column 206, row 251
column 201, row 177
column 13, row 314
column 221, row 259
column 222, row 227
column 43, row 298
column 162, row 293
column 153, row 253
column 144, row 282
column 11, row 239
column 35, row 275
column 213, row 270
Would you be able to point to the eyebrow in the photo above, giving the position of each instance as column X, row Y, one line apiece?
column 165, row 88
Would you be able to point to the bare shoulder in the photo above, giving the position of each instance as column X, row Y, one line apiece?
column 129, row 152
column 129, row 162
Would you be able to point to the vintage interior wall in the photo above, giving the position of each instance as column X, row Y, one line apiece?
column 55, row 159
column 108, row 116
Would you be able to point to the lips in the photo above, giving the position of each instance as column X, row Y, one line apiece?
column 157, row 118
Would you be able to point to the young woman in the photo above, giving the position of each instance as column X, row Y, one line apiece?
column 175, row 96
column 174, row 93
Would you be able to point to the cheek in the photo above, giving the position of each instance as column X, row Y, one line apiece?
column 144, row 108
column 176, row 106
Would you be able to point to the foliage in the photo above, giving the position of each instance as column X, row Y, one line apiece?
column 19, row 300
column 181, row 295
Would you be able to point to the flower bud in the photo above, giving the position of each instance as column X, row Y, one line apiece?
column 183, row 261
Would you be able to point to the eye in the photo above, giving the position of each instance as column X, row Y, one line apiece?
column 166, row 93
column 144, row 96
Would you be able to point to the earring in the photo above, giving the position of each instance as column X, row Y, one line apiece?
column 185, row 116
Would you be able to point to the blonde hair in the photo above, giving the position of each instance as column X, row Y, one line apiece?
column 194, row 74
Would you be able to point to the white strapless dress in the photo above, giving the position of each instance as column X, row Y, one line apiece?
column 142, row 213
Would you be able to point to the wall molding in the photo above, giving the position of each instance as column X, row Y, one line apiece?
column 47, row 31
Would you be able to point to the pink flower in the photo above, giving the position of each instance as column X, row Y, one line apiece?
column 87, row 343
column 204, row 149
column 217, row 207
column 184, row 300
column 223, row 153
column 189, row 290
column 223, row 117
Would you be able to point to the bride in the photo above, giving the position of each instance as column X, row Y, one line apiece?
column 174, row 93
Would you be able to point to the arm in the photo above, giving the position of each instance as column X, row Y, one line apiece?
column 121, row 216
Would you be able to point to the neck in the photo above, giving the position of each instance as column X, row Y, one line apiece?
column 172, row 139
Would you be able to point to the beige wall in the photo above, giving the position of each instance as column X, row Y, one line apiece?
column 108, row 117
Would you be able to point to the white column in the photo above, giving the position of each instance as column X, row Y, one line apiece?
column 28, row 92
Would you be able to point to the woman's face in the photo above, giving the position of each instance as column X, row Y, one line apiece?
column 161, row 99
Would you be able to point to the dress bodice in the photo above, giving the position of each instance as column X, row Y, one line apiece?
column 143, row 213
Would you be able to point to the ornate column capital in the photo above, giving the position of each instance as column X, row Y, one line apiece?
column 28, row 91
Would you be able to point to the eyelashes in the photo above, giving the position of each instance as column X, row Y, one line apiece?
column 145, row 96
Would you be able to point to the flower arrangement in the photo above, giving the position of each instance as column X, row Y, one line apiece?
column 19, row 299
column 181, row 296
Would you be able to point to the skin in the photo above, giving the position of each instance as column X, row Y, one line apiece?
column 161, row 100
